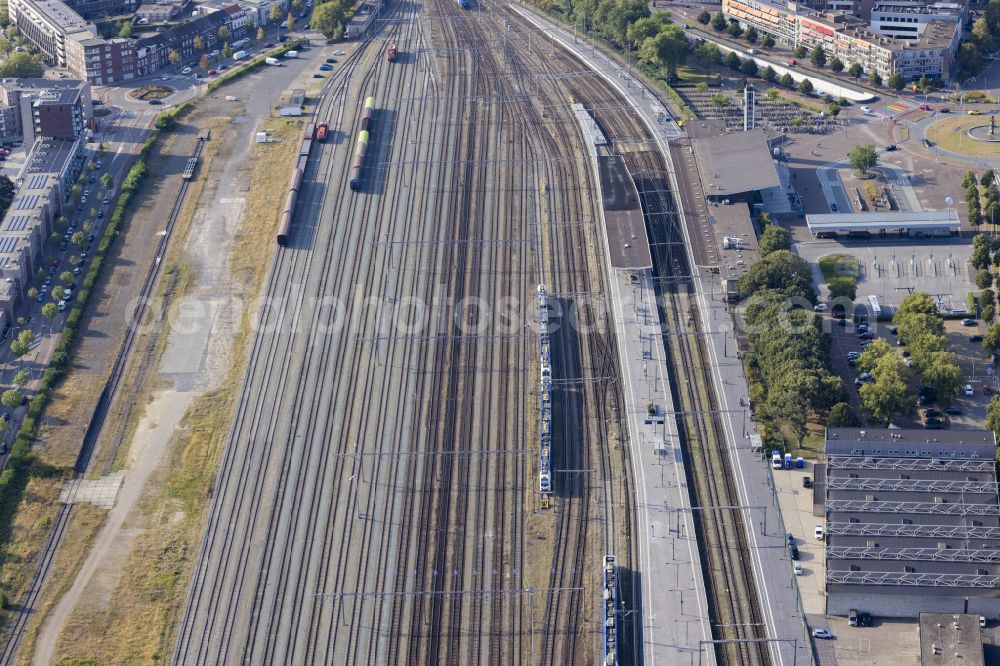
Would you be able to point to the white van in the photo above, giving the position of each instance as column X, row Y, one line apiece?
column 274, row 62
column 62, row 306
column 292, row 54
column 239, row 55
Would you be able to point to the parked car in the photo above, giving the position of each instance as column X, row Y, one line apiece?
column 969, row 391
column 833, row 207
column 807, row 482
column 931, row 412
column 944, row 110
column 975, row 338
column 797, row 569
column 867, row 335
column 933, row 420
column 953, row 411
column 891, row 147
column 819, row 532
column 934, row 426
column 268, row 45
column 793, row 551
column 790, row 538
column 822, row 633
column 155, row 102
column 317, row 75
column 332, row 61
column 820, row 307
column 968, row 322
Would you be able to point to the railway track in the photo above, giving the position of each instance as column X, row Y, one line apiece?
column 733, row 599
column 374, row 495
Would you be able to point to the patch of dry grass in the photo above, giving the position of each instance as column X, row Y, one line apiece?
column 139, row 620
column 944, row 134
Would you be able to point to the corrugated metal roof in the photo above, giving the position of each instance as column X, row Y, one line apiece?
column 928, row 219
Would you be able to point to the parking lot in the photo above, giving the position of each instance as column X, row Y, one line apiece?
column 890, row 268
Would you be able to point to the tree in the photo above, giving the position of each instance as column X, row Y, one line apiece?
column 991, row 338
column 290, row 21
column 969, row 179
column 199, row 43
column 707, row 54
column 773, row 239
column 856, row 71
column 768, row 41
column 833, row 109
column 805, row 86
column 204, row 62
column 842, row 287
column 943, row 375
column 980, row 255
column 260, row 34
column 870, row 356
column 668, row 49
column 21, row 66
column 78, row 239
column 875, row 78
column 863, row 158
column 640, row 31
column 7, row 191
column 227, row 52
column 274, row 14
column 66, row 277
column 779, row 270
column 895, row 81
column 970, row 58
column 719, row 22
column 818, row 56
column 88, row 226
column 787, row 80
column 126, row 30
column 751, row 35
column 11, row 398
column 223, row 33
column 704, row 18
column 40, row 274
column 984, row 279
column 49, row 310
column 749, row 67
column 799, row 52
column 173, row 56
column 297, row 5
column 107, row 181
column 890, row 393
column 836, row 65
column 769, row 75
column 732, row 61
column 32, row 293
column 842, row 416
column 916, row 302
column 20, row 346
column 20, row 378
column 993, row 414
column 735, row 30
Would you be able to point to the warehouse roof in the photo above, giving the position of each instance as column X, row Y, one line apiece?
column 735, row 163
column 911, row 509
column 887, row 220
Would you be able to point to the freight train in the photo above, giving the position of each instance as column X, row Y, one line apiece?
column 295, row 184
column 545, row 399
column 392, row 53
column 361, row 151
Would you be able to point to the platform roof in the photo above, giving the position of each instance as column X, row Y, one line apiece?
column 920, row 220
column 735, row 163
column 625, row 227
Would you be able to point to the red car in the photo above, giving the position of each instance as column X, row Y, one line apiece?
column 924, row 107
column 212, row 72
column 792, row 63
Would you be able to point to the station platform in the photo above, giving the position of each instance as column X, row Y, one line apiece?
column 675, row 607
column 783, row 615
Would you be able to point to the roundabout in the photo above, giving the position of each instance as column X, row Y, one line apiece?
column 970, row 136
column 146, row 93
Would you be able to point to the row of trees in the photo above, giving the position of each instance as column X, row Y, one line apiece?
column 921, row 326
column 790, row 379
column 985, row 204
column 330, row 17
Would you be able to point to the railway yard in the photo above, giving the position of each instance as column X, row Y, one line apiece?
column 380, row 497
column 434, row 456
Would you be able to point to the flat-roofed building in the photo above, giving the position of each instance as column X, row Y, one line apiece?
column 912, row 522
column 55, row 108
column 914, row 224
column 908, row 19
column 950, row 639
column 735, row 166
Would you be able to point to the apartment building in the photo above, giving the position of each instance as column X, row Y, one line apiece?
column 71, row 42
column 35, row 108
column 908, row 19
column 931, row 53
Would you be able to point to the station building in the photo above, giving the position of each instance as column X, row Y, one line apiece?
column 912, row 522
column 913, row 224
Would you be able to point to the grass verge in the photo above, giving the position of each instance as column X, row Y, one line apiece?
column 838, row 266
column 950, row 134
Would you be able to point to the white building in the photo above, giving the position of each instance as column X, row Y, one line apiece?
column 907, row 19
